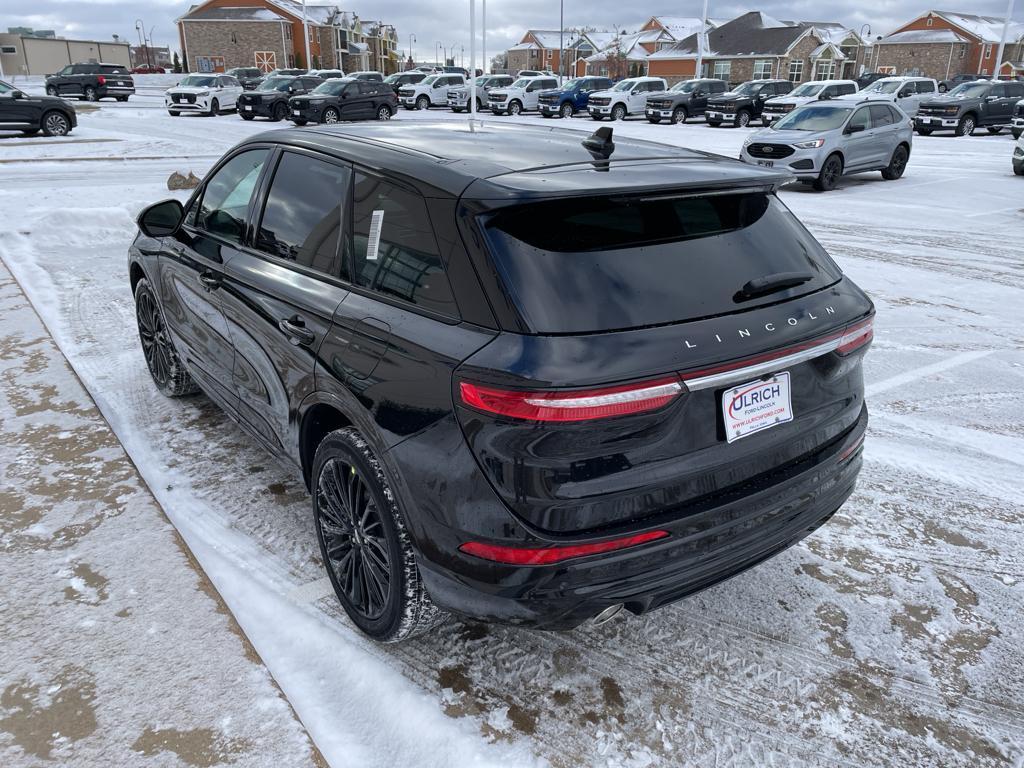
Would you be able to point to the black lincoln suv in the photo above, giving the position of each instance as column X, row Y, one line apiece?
column 529, row 376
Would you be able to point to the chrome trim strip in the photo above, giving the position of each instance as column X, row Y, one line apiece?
column 759, row 369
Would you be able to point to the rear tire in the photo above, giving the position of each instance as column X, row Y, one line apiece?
column 364, row 542
column 1016, row 134
column 714, row 123
column 162, row 359
column 897, row 164
column 1018, row 170
column 830, row 173
column 966, row 126
column 994, row 129
column 245, row 115
column 56, row 124
column 923, row 131
column 599, row 118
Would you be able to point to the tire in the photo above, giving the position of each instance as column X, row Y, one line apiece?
column 966, row 126
column 122, row 98
column 89, row 94
column 831, row 171
column 300, row 121
column 766, row 123
column 280, row 112
column 30, row 132
column 1018, row 170
column 56, row 124
column 742, row 118
column 618, row 112
column 653, row 120
column 599, row 118
column 422, row 102
column 566, row 111
column 994, row 129
column 384, row 112
column 1016, row 134
column 714, row 123
column 923, row 131
column 245, row 115
column 897, row 164
column 456, row 109
column 364, row 542
column 214, row 108
column 515, row 108
column 330, row 116
column 942, row 87
column 164, row 365
column 51, row 91
column 679, row 115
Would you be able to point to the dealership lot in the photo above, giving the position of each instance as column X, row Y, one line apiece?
column 889, row 636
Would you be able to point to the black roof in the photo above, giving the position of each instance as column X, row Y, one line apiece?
column 495, row 160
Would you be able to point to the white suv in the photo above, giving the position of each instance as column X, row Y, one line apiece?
column 209, row 94
column 814, row 90
column 627, row 97
column 906, row 92
column 1017, row 124
column 521, row 96
column 431, row 91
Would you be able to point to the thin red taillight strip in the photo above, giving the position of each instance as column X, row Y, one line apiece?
column 554, row 554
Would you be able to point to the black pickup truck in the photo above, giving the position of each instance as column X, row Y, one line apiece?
column 92, row 82
column 744, row 103
column 978, row 104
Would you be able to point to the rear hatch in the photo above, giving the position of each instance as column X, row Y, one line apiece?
column 651, row 323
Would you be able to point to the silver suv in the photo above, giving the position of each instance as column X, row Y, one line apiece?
column 825, row 140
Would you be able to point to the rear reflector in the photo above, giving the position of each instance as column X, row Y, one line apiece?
column 851, row 449
column 578, row 405
column 856, row 336
column 556, row 554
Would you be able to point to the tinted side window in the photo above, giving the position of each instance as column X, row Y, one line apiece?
column 847, row 88
column 302, row 218
column 861, row 117
column 367, row 87
column 880, row 115
column 225, row 202
column 1016, row 90
column 925, row 86
column 406, row 264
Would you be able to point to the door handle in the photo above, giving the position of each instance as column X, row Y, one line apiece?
column 210, row 281
column 296, row 331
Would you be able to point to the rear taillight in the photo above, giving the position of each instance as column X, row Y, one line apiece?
column 101, row 80
column 578, row 405
column 856, row 336
column 555, row 554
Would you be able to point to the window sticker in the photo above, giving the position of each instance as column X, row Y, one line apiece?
column 373, row 241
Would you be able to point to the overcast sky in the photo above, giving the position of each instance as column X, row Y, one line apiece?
column 447, row 21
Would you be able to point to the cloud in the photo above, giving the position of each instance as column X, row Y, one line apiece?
column 445, row 22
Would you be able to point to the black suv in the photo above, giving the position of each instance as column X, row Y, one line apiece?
column 687, row 98
column 953, row 82
column 344, row 99
column 92, row 82
column 31, row 114
column 249, row 77
column 520, row 401
column 271, row 96
column 745, row 102
column 977, row 104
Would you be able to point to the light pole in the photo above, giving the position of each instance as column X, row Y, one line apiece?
column 483, row 53
column 141, row 29
column 700, row 42
column 437, row 49
column 412, row 39
column 561, row 39
column 1002, row 40
column 451, row 54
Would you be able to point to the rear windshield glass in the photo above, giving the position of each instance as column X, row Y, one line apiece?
column 611, row 263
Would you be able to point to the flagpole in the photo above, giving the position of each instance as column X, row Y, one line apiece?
column 1002, row 39
column 700, row 41
column 472, row 61
column 305, row 35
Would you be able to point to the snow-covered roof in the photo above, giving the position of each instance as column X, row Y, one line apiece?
column 987, row 28
column 600, row 40
column 829, row 31
column 679, row 26
column 837, row 54
column 550, row 38
column 749, row 35
column 250, row 13
column 525, row 47
column 923, row 36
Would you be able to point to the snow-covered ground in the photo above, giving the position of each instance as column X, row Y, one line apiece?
column 892, row 636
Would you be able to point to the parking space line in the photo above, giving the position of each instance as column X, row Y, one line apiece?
column 900, row 379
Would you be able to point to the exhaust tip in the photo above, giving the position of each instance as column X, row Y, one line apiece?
column 607, row 614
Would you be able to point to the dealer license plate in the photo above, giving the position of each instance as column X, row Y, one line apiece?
column 756, row 406
column 248, row 108
column 766, row 163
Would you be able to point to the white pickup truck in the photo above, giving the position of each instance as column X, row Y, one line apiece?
column 431, row 91
column 627, row 97
column 521, row 96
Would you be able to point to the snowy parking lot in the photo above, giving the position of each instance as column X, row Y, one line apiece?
column 891, row 636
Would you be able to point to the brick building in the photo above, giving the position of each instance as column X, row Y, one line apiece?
column 941, row 44
column 755, row 45
column 540, row 49
column 217, row 35
column 626, row 55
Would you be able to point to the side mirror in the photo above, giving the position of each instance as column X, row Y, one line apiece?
column 161, row 219
column 17, row 94
column 825, row 97
column 857, row 128
column 698, row 93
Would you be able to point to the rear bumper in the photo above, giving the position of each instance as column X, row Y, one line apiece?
column 705, row 546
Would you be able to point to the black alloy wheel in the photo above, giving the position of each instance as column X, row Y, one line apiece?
column 897, row 164
column 966, row 126
column 830, row 173
column 168, row 373
column 280, row 112
column 56, row 124
column 364, row 542
column 214, row 108
column 51, row 90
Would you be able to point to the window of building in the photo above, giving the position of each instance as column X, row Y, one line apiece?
column 225, row 203
column 8, row 49
column 825, row 69
column 723, row 69
column 796, row 71
column 928, row 23
column 762, row 69
column 988, row 51
column 405, row 264
column 302, row 218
